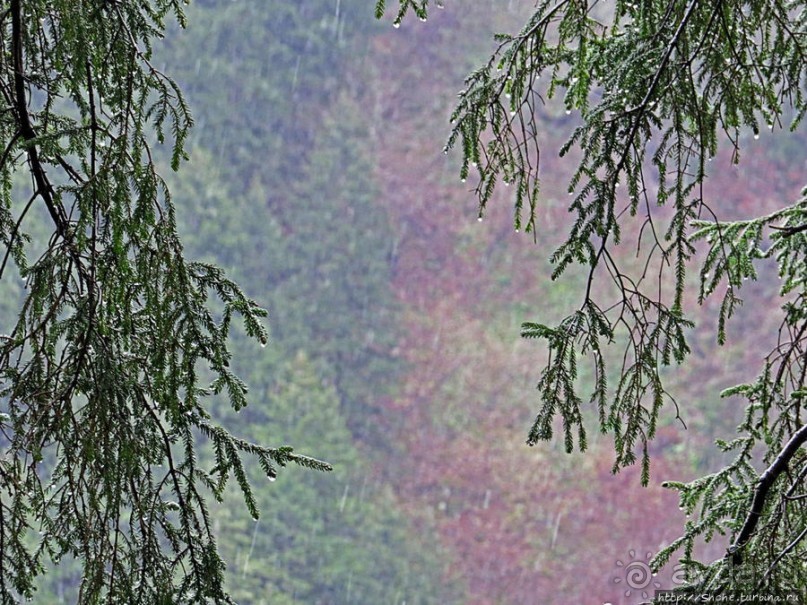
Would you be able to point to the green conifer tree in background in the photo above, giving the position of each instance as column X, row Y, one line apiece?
column 659, row 86
column 101, row 400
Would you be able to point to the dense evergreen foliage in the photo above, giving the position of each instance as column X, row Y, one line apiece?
column 334, row 538
column 659, row 88
column 296, row 154
column 320, row 261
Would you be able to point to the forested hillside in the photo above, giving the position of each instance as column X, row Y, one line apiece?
column 317, row 179
column 284, row 197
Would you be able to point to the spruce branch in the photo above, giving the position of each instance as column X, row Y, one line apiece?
column 763, row 487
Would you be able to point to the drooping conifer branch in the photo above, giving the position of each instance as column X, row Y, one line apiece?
column 104, row 374
column 762, row 490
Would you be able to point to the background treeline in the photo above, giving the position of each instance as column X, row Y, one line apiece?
column 281, row 192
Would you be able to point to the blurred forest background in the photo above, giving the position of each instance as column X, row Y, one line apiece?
column 317, row 180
